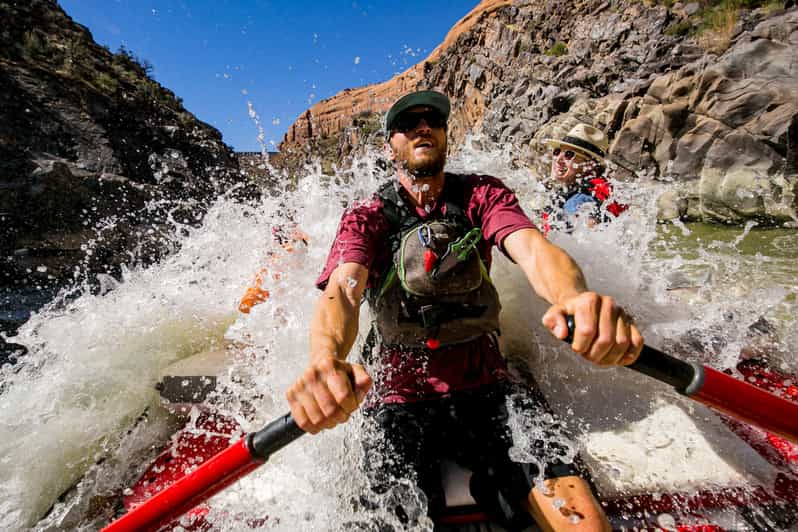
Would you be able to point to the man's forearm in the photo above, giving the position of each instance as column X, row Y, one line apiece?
column 335, row 319
column 551, row 271
column 334, row 327
column 330, row 388
column 554, row 275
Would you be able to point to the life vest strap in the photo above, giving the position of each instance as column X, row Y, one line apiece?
column 433, row 315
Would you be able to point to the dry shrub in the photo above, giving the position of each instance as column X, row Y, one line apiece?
column 718, row 27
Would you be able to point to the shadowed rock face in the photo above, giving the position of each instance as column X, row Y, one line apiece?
column 720, row 125
column 87, row 138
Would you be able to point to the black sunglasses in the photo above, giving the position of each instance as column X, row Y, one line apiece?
column 409, row 121
column 569, row 154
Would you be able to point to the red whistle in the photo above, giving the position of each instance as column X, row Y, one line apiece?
column 433, row 343
column 430, row 258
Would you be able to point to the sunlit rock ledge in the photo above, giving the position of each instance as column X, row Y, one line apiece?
column 712, row 110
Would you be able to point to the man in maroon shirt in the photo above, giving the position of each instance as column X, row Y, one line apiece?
column 438, row 390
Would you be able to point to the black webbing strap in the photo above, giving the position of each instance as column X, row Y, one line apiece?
column 401, row 215
column 437, row 314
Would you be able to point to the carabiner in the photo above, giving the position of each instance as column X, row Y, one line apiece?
column 425, row 236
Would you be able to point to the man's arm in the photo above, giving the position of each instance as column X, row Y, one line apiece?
column 604, row 333
column 335, row 321
column 330, row 389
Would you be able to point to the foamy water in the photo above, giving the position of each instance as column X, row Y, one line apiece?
column 94, row 361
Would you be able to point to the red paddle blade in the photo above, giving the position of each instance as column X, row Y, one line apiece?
column 748, row 403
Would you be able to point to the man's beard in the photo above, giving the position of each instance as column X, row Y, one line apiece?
column 424, row 168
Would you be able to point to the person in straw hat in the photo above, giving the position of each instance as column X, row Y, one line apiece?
column 578, row 171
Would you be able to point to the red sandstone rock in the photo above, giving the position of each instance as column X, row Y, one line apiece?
column 332, row 115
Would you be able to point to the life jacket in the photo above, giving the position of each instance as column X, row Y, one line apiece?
column 255, row 293
column 595, row 187
column 437, row 290
column 600, row 188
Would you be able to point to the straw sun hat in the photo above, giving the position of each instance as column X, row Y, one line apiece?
column 584, row 139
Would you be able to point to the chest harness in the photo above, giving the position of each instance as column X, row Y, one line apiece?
column 437, row 290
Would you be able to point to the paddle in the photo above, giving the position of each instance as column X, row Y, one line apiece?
column 209, row 478
column 701, row 383
column 722, row 392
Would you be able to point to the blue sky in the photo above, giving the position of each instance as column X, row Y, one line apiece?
column 280, row 56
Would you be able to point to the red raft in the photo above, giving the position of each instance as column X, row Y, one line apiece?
column 773, row 507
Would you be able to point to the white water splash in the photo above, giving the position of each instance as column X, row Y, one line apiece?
column 94, row 360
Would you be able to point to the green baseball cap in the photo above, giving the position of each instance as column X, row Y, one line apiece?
column 433, row 99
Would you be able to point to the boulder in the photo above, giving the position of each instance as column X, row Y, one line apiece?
column 738, row 195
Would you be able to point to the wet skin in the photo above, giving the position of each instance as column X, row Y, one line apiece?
column 419, row 155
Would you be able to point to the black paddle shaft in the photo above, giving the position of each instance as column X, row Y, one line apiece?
column 685, row 377
column 274, row 436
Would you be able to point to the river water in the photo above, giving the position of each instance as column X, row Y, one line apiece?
column 70, row 408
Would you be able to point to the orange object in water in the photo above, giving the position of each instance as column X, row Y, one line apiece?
column 255, row 294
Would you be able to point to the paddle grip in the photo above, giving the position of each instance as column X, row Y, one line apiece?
column 273, row 437
column 685, row 377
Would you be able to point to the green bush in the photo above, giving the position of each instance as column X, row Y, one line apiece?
column 558, row 49
column 106, row 83
column 78, row 59
column 679, row 29
column 715, row 13
column 713, row 25
column 128, row 60
column 34, row 44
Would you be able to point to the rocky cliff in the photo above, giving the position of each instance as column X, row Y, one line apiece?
column 703, row 94
column 94, row 154
column 329, row 117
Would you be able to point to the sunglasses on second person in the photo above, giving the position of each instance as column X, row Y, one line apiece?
column 409, row 121
column 569, row 154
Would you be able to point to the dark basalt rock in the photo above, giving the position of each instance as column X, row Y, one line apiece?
column 88, row 140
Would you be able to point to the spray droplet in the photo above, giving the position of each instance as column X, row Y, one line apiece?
column 427, row 208
column 666, row 521
column 558, row 503
column 574, row 519
column 351, row 282
column 425, row 187
column 543, row 488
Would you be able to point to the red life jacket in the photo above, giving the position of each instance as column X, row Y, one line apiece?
column 601, row 189
column 598, row 187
